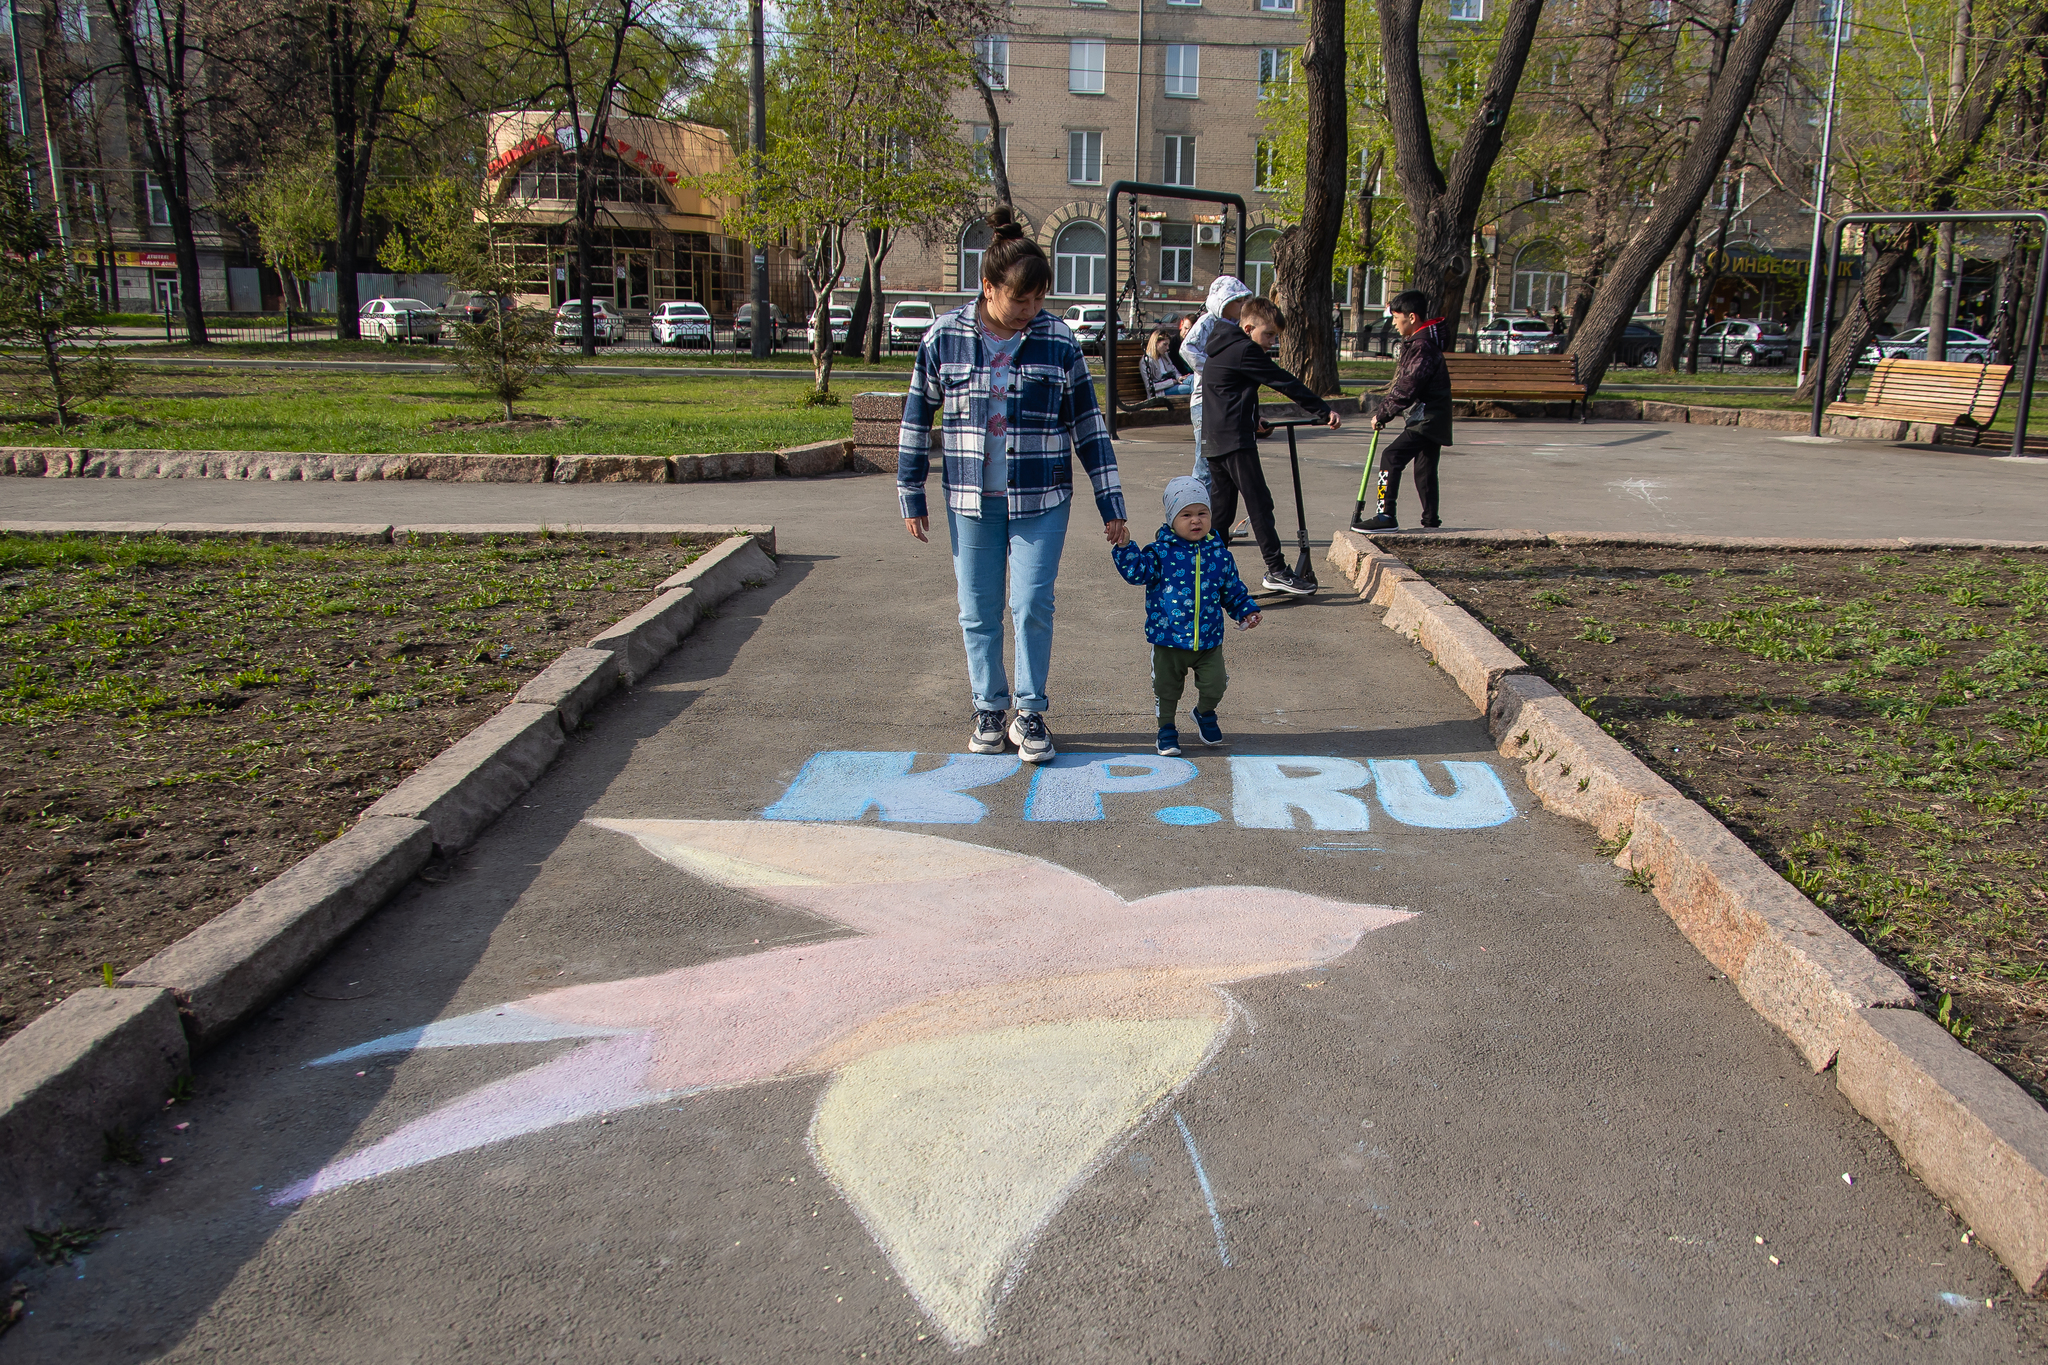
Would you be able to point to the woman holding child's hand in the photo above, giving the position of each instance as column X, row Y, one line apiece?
column 1010, row 389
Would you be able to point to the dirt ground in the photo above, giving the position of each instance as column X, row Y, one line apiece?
column 181, row 722
column 1875, row 726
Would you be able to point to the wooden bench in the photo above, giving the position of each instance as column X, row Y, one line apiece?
column 1942, row 392
column 1528, row 378
column 1130, row 385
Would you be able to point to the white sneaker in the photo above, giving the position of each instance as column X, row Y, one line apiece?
column 988, row 733
column 1033, row 740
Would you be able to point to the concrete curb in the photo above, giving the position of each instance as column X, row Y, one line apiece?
column 97, row 1062
column 319, row 532
column 1976, row 1138
column 1667, row 541
column 103, row 1058
column 290, row 466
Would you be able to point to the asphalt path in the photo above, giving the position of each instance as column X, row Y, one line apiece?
column 769, row 1030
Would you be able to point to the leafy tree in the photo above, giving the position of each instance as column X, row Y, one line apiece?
column 1306, row 253
column 291, row 205
column 509, row 354
column 46, row 308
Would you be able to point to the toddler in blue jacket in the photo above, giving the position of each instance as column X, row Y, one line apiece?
column 1190, row 581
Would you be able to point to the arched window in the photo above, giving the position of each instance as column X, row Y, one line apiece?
column 1258, row 261
column 1541, row 280
column 552, row 175
column 973, row 242
column 1080, row 259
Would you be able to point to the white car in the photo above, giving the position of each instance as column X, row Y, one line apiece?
column 399, row 320
column 607, row 326
column 1516, row 336
column 840, row 319
column 909, row 321
column 1088, row 321
column 1964, row 347
column 682, row 323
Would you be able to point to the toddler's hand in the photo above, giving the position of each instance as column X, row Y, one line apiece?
column 1249, row 621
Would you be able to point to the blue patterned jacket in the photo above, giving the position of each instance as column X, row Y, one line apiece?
column 1057, row 418
column 1188, row 584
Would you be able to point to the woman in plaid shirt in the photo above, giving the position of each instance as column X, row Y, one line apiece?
column 1009, row 387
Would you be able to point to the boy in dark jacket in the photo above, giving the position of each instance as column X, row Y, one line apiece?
column 1237, row 365
column 1421, row 389
column 1190, row 581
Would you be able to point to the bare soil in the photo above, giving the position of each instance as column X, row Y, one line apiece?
column 181, row 722
column 1874, row 726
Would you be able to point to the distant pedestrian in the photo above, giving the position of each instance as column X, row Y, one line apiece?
column 1010, row 389
column 1238, row 366
column 1190, row 584
column 1421, row 392
column 1181, row 327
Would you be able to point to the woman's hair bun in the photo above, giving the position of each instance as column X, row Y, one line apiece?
column 1003, row 224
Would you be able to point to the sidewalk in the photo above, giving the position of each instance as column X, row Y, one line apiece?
column 828, row 1086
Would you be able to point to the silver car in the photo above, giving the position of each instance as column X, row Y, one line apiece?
column 608, row 327
column 909, row 321
column 1516, row 336
column 1746, row 341
column 1964, row 347
column 389, row 319
column 1088, row 321
column 681, row 323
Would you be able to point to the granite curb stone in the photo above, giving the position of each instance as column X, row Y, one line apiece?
column 295, row 466
column 96, row 1063
column 611, row 469
column 576, row 681
column 472, row 781
column 1976, row 1139
column 1572, row 765
column 237, row 962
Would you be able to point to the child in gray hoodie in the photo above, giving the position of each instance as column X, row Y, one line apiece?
column 1227, row 294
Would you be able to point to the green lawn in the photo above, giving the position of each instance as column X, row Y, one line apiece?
column 213, row 409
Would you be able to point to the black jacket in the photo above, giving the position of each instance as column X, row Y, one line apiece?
column 1237, row 367
column 1421, row 388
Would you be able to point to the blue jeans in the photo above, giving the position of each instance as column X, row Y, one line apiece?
column 1201, row 464
column 1027, row 549
column 1181, row 390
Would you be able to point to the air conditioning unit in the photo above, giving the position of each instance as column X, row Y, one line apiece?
column 1147, row 228
column 1208, row 234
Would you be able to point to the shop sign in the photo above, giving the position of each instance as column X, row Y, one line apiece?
column 566, row 139
column 153, row 260
column 1771, row 265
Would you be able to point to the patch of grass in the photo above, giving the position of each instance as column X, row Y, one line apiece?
column 61, row 1244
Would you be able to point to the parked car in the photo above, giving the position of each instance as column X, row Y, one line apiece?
column 608, row 327
column 681, row 322
column 743, row 327
column 838, row 319
column 1639, row 346
column 908, row 322
column 1516, row 336
column 1088, row 321
column 1746, row 341
column 471, row 305
column 399, row 320
column 1964, row 347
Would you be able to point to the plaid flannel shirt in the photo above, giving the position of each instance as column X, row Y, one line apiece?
column 1056, row 418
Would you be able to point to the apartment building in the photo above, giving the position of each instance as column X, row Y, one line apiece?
column 1095, row 91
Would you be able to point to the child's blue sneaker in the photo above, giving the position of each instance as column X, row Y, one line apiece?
column 1169, row 741
column 1212, row 733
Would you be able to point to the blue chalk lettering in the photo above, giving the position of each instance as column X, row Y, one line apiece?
column 1265, row 792
column 1477, row 797
column 1186, row 815
column 846, row 784
column 1072, row 785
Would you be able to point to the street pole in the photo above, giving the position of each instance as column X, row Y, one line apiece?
column 763, row 317
column 1820, row 198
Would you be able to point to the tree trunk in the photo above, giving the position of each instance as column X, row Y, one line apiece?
column 1305, row 257
column 1720, row 121
column 1475, row 300
column 1445, row 207
column 830, row 260
column 1942, row 292
column 1673, row 346
column 879, row 242
column 857, row 327
column 357, row 85
column 157, row 86
column 1367, row 249
column 998, row 172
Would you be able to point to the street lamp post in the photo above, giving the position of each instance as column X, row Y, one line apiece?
column 1820, row 194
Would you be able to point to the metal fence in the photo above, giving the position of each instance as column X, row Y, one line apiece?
column 288, row 328
column 725, row 339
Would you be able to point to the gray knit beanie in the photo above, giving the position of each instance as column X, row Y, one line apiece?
column 1185, row 491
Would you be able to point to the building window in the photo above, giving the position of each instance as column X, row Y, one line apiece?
column 1183, row 70
column 1266, row 166
column 1833, row 12
column 1179, row 167
column 1258, row 261
column 159, row 207
column 973, row 243
column 74, row 21
column 1276, row 71
column 1541, row 280
column 1084, row 66
column 1184, row 2
column 1468, row 11
column 1660, row 12
column 1080, row 259
column 1176, row 253
column 1277, row 6
column 982, row 163
column 992, row 57
column 1084, row 158
column 1728, row 192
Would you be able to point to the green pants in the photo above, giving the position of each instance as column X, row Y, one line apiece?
column 1170, row 677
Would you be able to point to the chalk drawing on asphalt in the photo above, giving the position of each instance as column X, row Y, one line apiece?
column 997, row 1028
column 1320, row 791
